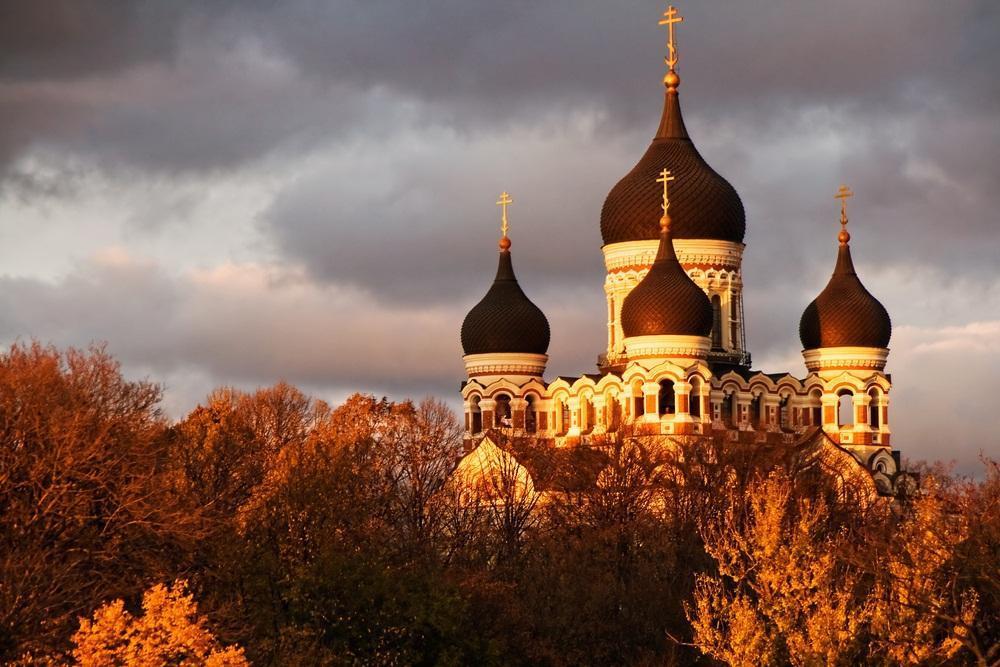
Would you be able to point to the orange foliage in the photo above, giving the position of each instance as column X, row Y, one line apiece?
column 169, row 632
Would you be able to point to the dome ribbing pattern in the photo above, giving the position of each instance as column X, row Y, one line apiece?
column 703, row 205
column 845, row 314
column 505, row 320
column 666, row 301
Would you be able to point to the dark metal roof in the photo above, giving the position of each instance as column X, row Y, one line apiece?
column 505, row 320
column 703, row 205
column 666, row 301
column 845, row 314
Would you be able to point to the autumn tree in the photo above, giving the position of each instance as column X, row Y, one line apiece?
column 85, row 513
column 781, row 593
column 168, row 632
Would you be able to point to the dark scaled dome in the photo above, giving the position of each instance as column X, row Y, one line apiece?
column 703, row 205
column 505, row 320
column 666, row 301
column 845, row 314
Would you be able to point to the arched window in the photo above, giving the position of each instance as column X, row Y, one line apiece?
column 694, row 401
column 874, row 416
column 477, row 415
column 784, row 413
column 564, row 418
column 586, row 415
column 845, row 409
column 501, row 417
column 755, row 408
column 729, row 409
column 666, row 403
column 613, row 411
column 638, row 400
column 716, row 322
column 816, row 408
column 530, row 417
column 734, row 317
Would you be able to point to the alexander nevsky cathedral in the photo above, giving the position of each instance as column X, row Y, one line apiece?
column 676, row 363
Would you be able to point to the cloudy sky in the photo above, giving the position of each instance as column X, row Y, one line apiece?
column 237, row 192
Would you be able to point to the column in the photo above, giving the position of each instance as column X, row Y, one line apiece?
column 651, row 394
column 772, row 416
column 487, row 406
column 574, row 416
column 830, row 404
column 715, row 398
column 742, row 417
column 517, row 408
column 600, row 414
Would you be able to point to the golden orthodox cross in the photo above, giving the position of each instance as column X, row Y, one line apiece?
column 665, row 178
column 843, row 194
column 670, row 18
column 504, row 202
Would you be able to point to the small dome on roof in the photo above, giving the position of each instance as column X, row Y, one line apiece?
column 505, row 320
column 845, row 314
column 666, row 301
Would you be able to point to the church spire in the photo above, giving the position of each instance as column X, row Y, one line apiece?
column 845, row 265
column 671, row 123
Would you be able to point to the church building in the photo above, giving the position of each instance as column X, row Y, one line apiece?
column 677, row 362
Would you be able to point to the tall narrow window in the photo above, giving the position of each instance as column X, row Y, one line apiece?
column 845, row 409
column 501, row 417
column 873, row 409
column 734, row 321
column 477, row 415
column 755, row 408
column 530, row 418
column 666, row 397
column 638, row 400
column 716, row 322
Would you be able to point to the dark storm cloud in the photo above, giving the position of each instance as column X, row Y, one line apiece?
column 65, row 39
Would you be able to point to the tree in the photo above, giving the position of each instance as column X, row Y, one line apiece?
column 781, row 592
column 169, row 632
column 85, row 512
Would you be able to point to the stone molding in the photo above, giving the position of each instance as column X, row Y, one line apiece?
column 505, row 363
column 701, row 252
column 825, row 358
column 665, row 347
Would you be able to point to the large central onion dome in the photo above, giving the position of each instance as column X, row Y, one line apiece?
column 845, row 314
column 505, row 320
column 666, row 302
column 703, row 206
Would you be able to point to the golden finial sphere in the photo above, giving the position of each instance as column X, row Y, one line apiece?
column 665, row 222
column 505, row 243
column 844, row 236
column 671, row 79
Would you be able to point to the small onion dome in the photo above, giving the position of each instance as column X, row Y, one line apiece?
column 845, row 314
column 505, row 320
column 703, row 205
column 666, row 301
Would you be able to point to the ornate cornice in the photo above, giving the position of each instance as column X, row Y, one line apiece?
column 827, row 358
column 508, row 363
column 692, row 253
column 665, row 347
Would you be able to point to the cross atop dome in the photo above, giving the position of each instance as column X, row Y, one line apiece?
column 665, row 178
column 670, row 17
column 843, row 194
column 503, row 203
